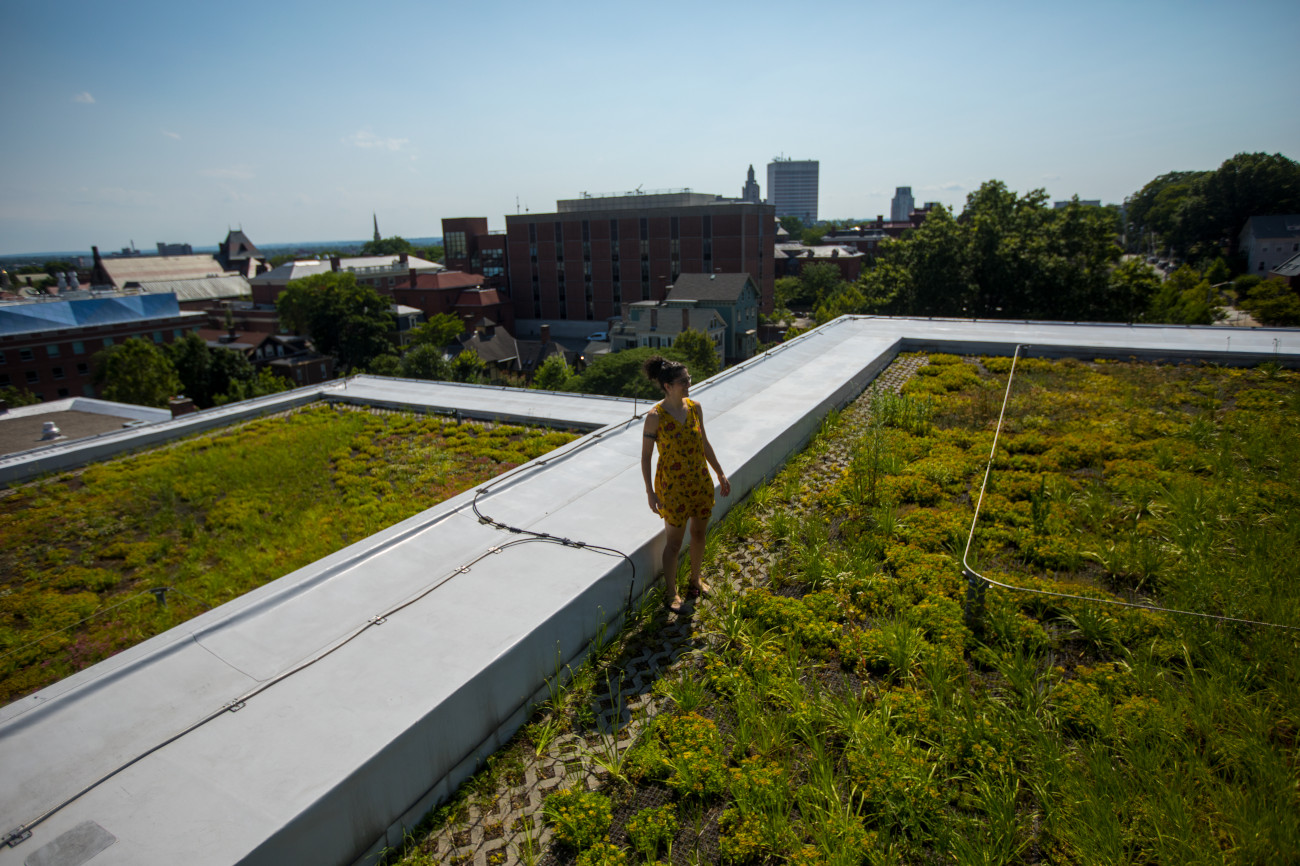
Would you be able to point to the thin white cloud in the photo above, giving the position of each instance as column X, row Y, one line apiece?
column 171, row 134
column 234, row 172
column 84, row 96
column 367, row 140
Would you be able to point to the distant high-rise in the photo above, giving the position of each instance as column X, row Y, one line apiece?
column 750, row 192
column 792, row 187
column 903, row 204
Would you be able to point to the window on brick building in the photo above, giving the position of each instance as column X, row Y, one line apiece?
column 52, row 350
column 83, row 369
column 26, row 355
column 33, row 377
column 58, row 372
column 78, row 348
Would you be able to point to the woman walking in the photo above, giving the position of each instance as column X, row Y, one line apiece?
column 682, row 490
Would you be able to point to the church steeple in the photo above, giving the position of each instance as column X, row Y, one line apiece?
column 377, row 237
column 750, row 192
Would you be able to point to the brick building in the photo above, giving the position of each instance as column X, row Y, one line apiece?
column 47, row 347
column 596, row 254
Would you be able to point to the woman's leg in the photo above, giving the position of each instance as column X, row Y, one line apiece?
column 672, row 547
column 699, row 533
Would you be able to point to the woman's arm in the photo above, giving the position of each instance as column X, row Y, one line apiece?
column 712, row 458
column 648, row 435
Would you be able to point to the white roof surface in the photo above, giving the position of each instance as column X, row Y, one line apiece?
column 348, row 726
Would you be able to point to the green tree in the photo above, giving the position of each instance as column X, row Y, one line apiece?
column 394, row 246
column 1221, row 201
column 136, row 371
column 425, row 361
column 1153, row 210
column 1218, row 272
column 847, row 301
column 701, row 354
column 1272, row 302
column 469, row 367
column 433, row 253
column 812, row 236
column 553, row 375
column 619, row 374
column 259, row 384
column 793, row 225
column 343, row 319
column 1185, row 298
column 440, row 330
column 1132, row 287
column 819, row 282
column 788, row 291
column 13, row 396
column 387, row 364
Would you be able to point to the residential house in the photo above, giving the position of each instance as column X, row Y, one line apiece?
column 658, row 324
column 736, row 299
column 1268, row 241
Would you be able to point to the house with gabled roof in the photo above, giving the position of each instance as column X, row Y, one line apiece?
column 1268, row 241
column 735, row 297
column 239, row 254
column 658, row 324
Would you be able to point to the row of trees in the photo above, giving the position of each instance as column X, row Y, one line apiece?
column 396, row 245
column 1198, row 213
column 1005, row 256
column 141, row 372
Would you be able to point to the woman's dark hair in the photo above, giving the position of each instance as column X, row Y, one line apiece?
column 660, row 370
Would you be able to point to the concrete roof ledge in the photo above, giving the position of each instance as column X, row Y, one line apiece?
column 369, row 683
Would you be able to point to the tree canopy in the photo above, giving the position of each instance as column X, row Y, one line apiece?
column 346, row 320
column 619, row 374
column 440, row 330
column 702, row 355
column 1197, row 213
column 136, row 371
column 394, row 246
column 1006, row 256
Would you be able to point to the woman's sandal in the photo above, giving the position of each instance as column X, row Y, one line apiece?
column 696, row 591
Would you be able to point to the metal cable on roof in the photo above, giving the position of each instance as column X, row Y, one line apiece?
column 16, row 836
column 977, row 581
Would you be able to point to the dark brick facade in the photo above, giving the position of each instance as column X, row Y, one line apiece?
column 587, row 264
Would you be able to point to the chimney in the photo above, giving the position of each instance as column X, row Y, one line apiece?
column 404, row 258
column 180, row 405
column 546, row 334
column 334, row 263
column 410, row 275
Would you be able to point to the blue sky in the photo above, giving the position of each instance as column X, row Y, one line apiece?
column 151, row 121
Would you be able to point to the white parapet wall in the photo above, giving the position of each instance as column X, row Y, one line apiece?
column 313, row 719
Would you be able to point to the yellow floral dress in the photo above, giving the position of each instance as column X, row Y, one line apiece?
column 682, row 480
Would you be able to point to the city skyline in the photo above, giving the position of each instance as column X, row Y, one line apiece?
column 297, row 122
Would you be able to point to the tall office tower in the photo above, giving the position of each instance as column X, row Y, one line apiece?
column 792, row 188
column 750, row 192
column 900, row 210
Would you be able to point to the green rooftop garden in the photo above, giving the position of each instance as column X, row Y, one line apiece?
column 214, row 517
column 837, row 708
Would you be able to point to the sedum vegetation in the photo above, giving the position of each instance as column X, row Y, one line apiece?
column 215, row 517
column 845, row 712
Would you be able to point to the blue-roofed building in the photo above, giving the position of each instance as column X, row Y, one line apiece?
column 47, row 346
